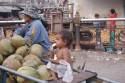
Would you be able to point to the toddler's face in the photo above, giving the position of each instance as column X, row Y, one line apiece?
column 59, row 41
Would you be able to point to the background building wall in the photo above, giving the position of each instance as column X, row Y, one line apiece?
column 88, row 8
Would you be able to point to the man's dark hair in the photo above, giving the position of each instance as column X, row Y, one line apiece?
column 112, row 11
column 97, row 15
column 66, row 36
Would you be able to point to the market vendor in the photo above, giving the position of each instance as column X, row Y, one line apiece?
column 34, row 32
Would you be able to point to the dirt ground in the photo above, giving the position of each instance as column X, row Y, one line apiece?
column 110, row 67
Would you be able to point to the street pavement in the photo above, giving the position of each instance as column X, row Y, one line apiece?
column 110, row 67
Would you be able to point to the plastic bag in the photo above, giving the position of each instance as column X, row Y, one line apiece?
column 63, row 70
column 68, row 76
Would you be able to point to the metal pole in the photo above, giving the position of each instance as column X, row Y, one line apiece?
column 102, row 19
column 12, row 22
column 4, row 76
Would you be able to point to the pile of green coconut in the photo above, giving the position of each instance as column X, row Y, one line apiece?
column 16, row 55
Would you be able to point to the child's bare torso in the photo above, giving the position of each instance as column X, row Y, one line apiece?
column 63, row 54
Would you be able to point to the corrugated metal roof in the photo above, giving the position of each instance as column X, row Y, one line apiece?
column 8, row 8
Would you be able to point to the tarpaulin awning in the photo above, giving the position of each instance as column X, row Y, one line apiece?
column 8, row 8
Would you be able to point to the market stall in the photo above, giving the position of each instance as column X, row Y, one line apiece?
column 20, row 63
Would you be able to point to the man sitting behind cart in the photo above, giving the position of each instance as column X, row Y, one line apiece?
column 34, row 32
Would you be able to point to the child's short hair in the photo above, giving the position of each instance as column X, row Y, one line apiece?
column 66, row 37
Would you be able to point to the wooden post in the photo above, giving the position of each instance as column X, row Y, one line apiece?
column 51, row 30
column 70, row 11
column 56, row 21
column 77, row 26
column 71, row 16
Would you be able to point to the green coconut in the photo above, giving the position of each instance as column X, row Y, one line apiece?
column 31, row 63
column 17, row 41
column 10, row 79
column 1, row 59
column 6, row 47
column 37, row 50
column 12, row 63
column 33, row 57
column 3, row 52
column 17, row 57
column 28, row 71
column 23, row 51
column 44, row 73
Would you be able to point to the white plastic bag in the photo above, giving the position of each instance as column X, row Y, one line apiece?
column 63, row 70
column 68, row 76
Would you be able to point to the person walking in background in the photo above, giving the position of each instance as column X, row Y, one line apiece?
column 97, row 25
column 112, row 24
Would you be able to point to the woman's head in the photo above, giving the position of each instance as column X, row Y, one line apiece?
column 63, row 39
